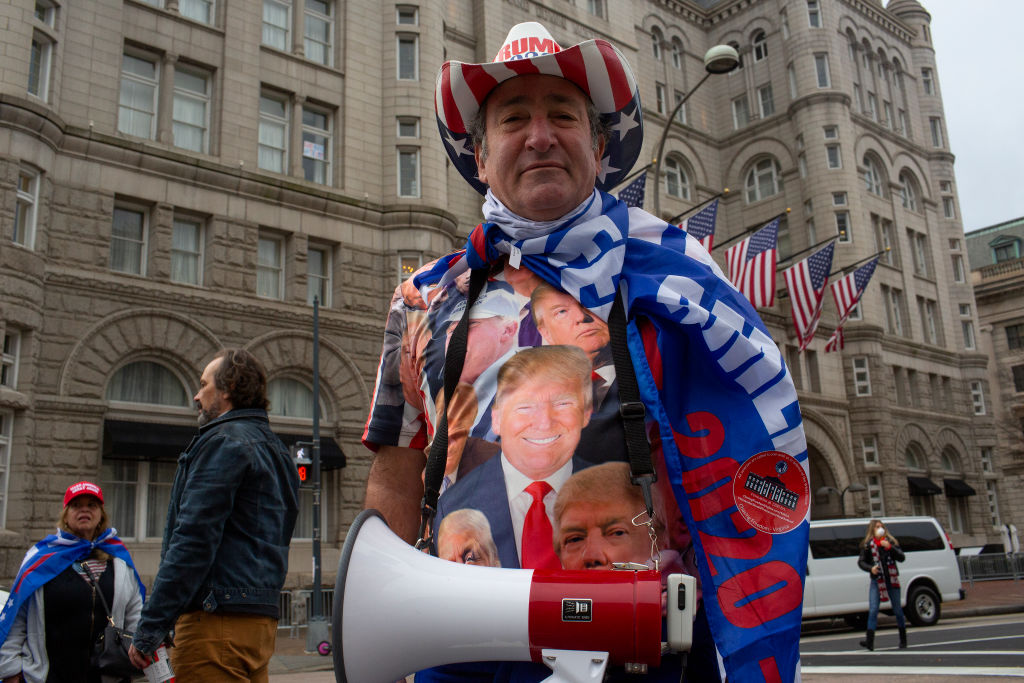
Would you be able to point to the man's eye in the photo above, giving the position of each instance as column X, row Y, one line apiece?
column 470, row 557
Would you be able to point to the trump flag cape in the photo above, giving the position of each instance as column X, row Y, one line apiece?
column 721, row 407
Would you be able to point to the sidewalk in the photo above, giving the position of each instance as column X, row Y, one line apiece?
column 984, row 597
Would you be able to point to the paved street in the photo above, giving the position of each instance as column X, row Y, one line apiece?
column 976, row 639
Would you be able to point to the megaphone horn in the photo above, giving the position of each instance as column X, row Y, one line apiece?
column 398, row 610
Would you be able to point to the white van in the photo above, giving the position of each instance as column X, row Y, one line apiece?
column 836, row 586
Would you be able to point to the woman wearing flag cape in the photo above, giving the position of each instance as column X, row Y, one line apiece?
column 53, row 615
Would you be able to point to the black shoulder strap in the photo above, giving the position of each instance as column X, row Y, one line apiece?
column 453, row 362
column 95, row 585
column 631, row 408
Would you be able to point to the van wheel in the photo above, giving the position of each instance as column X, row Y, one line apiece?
column 923, row 606
column 858, row 622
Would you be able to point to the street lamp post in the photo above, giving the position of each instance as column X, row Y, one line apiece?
column 720, row 59
column 854, row 486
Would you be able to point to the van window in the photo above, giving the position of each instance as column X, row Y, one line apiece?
column 836, row 541
column 917, row 536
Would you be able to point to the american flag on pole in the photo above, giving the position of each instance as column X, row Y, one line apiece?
column 847, row 292
column 806, row 282
column 701, row 225
column 751, row 264
column 633, row 194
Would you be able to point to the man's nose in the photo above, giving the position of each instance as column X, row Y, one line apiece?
column 541, row 134
column 594, row 556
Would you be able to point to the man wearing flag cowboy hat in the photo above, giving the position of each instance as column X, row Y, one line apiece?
column 543, row 133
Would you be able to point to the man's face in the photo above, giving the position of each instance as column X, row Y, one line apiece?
column 564, row 321
column 539, row 423
column 540, row 160
column 593, row 535
column 210, row 403
column 462, row 545
column 488, row 340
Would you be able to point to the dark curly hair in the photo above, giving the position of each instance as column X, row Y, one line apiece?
column 243, row 378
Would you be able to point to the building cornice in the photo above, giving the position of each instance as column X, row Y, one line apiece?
column 882, row 19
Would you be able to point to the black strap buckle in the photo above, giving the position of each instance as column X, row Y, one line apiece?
column 632, row 410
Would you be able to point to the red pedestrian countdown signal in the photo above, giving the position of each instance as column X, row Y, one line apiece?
column 303, row 463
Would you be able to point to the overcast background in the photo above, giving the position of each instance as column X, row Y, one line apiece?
column 981, row 81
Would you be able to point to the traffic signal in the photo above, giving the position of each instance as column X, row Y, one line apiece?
column 301, row 452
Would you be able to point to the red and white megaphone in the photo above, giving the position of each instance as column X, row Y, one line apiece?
column 398, row 610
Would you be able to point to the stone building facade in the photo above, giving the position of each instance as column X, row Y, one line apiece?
column 997, row 272
column 181, row 175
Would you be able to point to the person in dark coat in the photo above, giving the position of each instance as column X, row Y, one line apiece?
column 879, row 553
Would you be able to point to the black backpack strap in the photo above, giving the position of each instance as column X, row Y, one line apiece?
column 453, row 361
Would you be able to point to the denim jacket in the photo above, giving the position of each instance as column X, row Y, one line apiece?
column 229, row 522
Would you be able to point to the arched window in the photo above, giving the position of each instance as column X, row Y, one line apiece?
column 677, row 53
column 914, row 458
column 736, row 46
column 677, row 182
column 656, row 41
column 873, row 177
column 290, row 398
column 760, row 46
column 950, row 461
column 908, row 191
column 147, row 382
column 763, row 180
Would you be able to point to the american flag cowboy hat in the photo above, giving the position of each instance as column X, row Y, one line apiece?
column 595, row 66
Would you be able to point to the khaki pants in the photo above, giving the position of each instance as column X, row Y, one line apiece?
column 222, row 647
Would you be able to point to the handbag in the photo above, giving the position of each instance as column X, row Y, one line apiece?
column 110, row 651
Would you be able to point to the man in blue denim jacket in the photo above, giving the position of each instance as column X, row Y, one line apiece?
column 225, row 552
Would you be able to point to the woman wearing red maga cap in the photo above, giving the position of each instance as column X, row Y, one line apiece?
column 53, row 615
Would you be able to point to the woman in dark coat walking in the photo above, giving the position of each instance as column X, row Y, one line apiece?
column 879, row 553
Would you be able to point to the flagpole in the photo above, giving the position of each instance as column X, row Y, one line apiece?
column 756, row 226
column 857, row 263
column 704, row 203
column 804, row 251
column 634, row 175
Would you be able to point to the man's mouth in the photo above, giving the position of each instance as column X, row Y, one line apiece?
column 544, row 441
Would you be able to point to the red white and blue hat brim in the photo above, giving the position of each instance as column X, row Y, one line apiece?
column 596, row 67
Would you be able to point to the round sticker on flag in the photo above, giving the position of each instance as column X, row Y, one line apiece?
column 772, row 492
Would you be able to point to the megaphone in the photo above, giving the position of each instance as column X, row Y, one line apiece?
column 398, row 610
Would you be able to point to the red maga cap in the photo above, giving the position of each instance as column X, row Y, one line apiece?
column 82, row 488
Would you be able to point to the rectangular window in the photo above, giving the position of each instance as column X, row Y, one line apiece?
column 861, row 376
column 197, row 10
column 191, row 104
column 915, row 392
column 813, row 375
column 318, row 31
column 821, row 69
column 408, row 263
column 928, row 318
column 6, row 436
column 784, row 19
column 596, row 7
column 958, row 268
column 408, row 57
column 839, row 199
column 843, row 226
column 25, row 203
column 904, row 127
column 875, row 499
column 872, row 106
column 831, row 132
column 136, row 113
column 273, row 134
column 277, row 24
column 187, row 251
column 993, row 503
column 137, row 494
column 893, row 310
column 681, row 112
column 813, row 14
column 1018, row 377
column 920, row 244
column 935, row 124
column 39, row 66
column 977, row 398
column 270, row 267
column 967, row 327
column 927, row 82
column 740, row 112
column 948, row 207
column 764, row 97
column 659, row 97
column 835, row 159
column 1015, row 336
column 408, row 172
column 986, row 460
column 407, row 15
column 945, row 186
column 9, row 358
column 316, row 145
column 128, row 241
column 791, row 76
column 801, row 162
column 957, row 514
column 408, row 127
column 318, row 275
column 45, row 12
column 869, row 449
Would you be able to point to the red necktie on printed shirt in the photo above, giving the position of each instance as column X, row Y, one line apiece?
column 538, row 537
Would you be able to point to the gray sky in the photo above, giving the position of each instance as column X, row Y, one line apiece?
column 981, row 80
